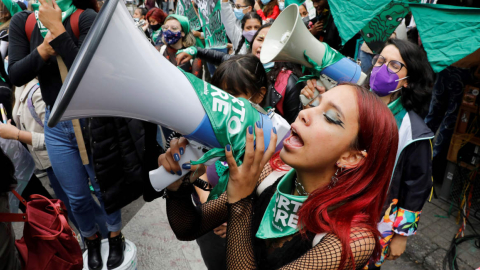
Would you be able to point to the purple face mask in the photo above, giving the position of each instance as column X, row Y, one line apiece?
column 249, row 34
column 383, row 82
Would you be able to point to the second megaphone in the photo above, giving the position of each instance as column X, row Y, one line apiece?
column 118, row 73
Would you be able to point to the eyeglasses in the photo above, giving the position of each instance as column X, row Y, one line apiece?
column 237, row 6
column 172, row 28
column 393, row 66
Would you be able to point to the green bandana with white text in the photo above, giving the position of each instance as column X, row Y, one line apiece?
column 66, row 6
column 280, row 218
column 230, row 118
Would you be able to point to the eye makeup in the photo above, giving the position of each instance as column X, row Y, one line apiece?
column 332, row 117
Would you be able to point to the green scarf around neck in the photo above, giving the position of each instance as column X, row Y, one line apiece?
column 280, row 218
column 398, row 111
column 66, row 6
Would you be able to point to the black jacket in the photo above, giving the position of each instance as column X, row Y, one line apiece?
column 291, row 103
column 124, row 151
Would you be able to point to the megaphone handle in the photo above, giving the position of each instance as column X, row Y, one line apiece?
column 305, row 101
column 161, row 179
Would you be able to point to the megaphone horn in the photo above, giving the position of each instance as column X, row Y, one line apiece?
column 288, row 39
column 118, row 73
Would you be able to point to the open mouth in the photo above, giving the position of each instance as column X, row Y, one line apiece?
column 294, row 140
column 258, row 53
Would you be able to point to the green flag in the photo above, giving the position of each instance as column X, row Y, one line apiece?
column 213, row 29
column 351, row 16
column 185, row 8
column 382, row 26
column 448, row 33
column 12, row 6
column 66, row 6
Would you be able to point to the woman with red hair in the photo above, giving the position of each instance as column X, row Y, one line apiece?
column 323, row 213
column 155, row 18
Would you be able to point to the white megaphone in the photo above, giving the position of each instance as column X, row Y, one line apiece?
column 118, row 73
column 289, row 39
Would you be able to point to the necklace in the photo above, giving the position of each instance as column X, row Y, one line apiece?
column 300, row 188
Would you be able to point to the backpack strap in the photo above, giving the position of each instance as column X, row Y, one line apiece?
column 30, row 106
column 30, row 25
column 74, row 20
column 11, row 217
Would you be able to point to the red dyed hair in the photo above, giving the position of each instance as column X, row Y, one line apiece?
column 359, row 195
column 156, row 14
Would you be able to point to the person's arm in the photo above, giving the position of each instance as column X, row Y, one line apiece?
column 189, row 222
column 38, row 139
column 326, row 255
column 11, row 132
column 291, row 100
column 63, row 43
column 212, row 56
column 233, row 30
column 261, row 14
column 23, row 65
column 415, row 188
column 197, row 68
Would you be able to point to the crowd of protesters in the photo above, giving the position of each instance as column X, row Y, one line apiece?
column 352, row 177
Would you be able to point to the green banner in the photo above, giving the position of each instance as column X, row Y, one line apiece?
column 290, row 2
column 213, row 29
column 185, row 8
column 448, row 33
column 351, row 16
column 66, row 6
column 230, row 118
column 382, row 26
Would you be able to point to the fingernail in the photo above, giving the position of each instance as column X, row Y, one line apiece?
column 186, row 166
column 181, row 151
column 172, row 172
column 250, row 129
column 259, row 125
column 176, row 157
column 179, row 172
column 274, row 130
column 228, row 147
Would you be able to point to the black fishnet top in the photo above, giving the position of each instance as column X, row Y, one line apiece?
column 244, row 250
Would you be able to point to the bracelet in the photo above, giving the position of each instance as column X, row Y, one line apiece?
column 18, row 135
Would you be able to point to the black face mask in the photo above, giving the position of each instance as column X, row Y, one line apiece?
column 155, row 27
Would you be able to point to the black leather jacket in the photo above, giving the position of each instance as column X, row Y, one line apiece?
column 291, row 103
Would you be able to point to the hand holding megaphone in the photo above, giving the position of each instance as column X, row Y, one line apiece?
column 311, row 91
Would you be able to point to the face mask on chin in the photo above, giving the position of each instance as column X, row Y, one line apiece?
column 383, row 82
column 155, row 27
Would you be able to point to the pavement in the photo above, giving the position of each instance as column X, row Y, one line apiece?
column 146, row 225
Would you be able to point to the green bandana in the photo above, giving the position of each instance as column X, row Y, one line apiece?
column 330, row 57
column 230, row 118
column 398, row 111
column 183, row 22
column 156, row 35
column 12, row 7
column 280, row 218
column 192, row 51
column 66, row 6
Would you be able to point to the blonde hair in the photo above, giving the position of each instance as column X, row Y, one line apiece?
column 188, row 40
column 5, row 25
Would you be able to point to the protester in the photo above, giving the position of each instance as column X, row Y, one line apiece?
column 401, row 77
column 283, row 91
column 268, row 10
column 140, row 13
column 241, row 24
column 35, row 58
column 155, row 18
column 176, row 35
column 341, row 206
column 302, row 9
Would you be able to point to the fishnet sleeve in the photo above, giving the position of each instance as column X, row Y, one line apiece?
column 188, row 221
column 240, row 254
column 326, row 255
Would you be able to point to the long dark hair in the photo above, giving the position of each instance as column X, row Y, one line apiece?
column 85, row 4
column 248, row 16
column 241, row 74
column 417, row 95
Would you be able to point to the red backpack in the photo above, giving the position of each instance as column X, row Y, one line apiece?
column 74, row 18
